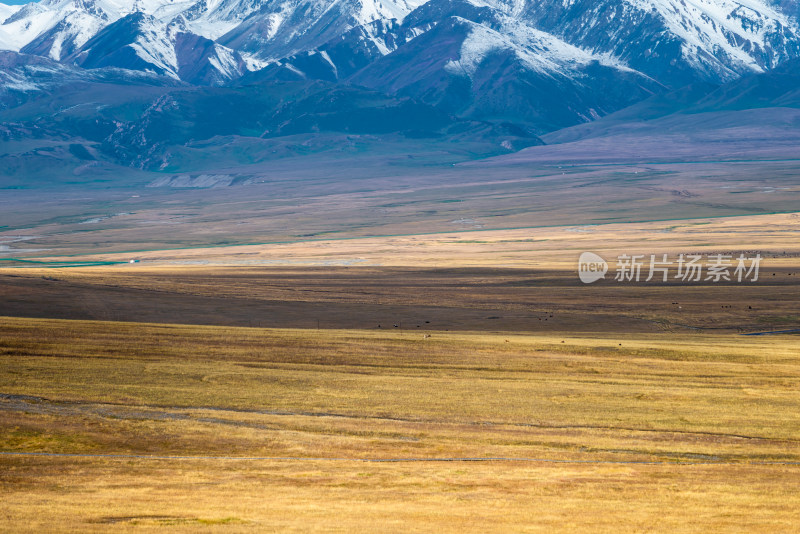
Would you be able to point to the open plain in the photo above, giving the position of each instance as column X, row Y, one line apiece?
column 451, row 382
column 245, row 429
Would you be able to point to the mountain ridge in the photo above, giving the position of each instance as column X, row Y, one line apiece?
column 497, row 75
column 672, row 41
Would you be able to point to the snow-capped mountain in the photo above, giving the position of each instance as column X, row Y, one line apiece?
column 62, row 29
column 142, row 42
column 152, row 35
column 672, row 41
column 544, row 64
column 282, row 29
column 481, row 62
column 676, row 41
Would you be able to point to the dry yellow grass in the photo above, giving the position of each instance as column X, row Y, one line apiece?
column 622, row 432
column 204, row 496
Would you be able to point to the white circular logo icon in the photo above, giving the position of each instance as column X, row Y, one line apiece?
column 591, row 267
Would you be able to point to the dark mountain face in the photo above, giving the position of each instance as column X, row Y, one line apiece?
column 774, row 89
column 134, row 123
column 201, row 61
column 342, row 57
column 639, row 37
column 28, row 78
column 790, row 7
column 501, row 85
column 757, row 112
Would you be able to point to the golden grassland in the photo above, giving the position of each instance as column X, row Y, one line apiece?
column 508, row 398
column 262, row 496
column 605, row 432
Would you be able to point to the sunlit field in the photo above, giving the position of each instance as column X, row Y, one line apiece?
column 237, row 429
column 444, row 382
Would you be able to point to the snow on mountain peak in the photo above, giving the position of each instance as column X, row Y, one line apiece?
column 7, row 11
column 372, row 10
column 540, row 51
column 738, row 29
column 716, row 40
